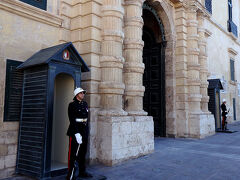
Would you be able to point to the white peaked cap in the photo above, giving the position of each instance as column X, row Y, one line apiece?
column 224, row 100
column 78, row 90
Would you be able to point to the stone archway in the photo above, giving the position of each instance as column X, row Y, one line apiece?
column 154, row 74
column 164, row 12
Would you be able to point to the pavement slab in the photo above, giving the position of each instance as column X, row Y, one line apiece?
column 213, row 158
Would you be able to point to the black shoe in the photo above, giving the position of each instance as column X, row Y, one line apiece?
column 68, row 178
column 85, row 175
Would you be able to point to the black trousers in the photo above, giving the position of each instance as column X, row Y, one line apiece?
column 224, row 122
column 73, row 145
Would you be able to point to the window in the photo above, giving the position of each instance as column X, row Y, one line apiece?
column 13, row 91
column 232, row 70
column 42, row 4
column 230, row 10
column 231, row 25
column 234, row 109
column 208, row 5
column 238, row 89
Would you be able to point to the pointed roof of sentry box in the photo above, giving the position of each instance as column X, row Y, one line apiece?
column 215, row 84
column 55, row 53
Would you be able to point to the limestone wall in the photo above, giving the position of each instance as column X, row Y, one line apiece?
column 223, row 45
column 108, row 35
column 220, row 6
column 24, row 30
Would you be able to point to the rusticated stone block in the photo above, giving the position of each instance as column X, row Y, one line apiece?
column 1, row 163
column 12, row 149
column 7, row 172
column 3, row 172
column 3, row 150
column 10, row 126
column 124, row 138
column 2, row 137
column 11, row 137
column 10, row 161
column 91, row 59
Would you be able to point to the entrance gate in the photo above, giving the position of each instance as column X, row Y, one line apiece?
column 154, row 73
column 154, row 82
column 214, row 88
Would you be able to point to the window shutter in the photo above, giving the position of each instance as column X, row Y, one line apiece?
column 232, row 69
column 13, row 91
column 230, row 10
column 238, row 89
column 208, row 5
column 234, row 109
column 42, row 4
column 211, row 102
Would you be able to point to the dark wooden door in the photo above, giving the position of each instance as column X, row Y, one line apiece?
column 154, row 82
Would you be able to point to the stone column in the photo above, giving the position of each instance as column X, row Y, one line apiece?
column 133, row 67
column 181, row 72
column 120, row 136
column 199, row 124
column 203, row 62
column 111, row 87
column 194, row 96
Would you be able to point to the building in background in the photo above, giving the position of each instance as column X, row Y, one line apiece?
column 223, row 55
column 150, row 66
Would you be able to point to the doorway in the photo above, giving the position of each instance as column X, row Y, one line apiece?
column 154, row 73
column 218, row 113
column 214, row 88
column 63, row 95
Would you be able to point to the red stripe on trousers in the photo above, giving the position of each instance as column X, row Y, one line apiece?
column 69, row 151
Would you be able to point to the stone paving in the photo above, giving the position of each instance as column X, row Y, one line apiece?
column 214, row 158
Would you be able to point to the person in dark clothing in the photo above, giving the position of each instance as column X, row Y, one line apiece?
column 224, row 115
column 78, row 133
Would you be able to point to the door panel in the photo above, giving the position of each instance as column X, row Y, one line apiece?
column 218, row 115
column 154, row 82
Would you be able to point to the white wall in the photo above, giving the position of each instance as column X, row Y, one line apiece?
column 64, row 87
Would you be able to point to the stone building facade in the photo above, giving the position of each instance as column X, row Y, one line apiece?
column 159, row 49
column 223, row 52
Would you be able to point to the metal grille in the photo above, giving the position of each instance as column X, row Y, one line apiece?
column 32, row 124
column 211, row 102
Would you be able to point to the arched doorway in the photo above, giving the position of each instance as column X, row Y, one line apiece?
column 63, row 95
column 154, row 73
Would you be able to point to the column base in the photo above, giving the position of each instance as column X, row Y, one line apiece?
column 137, row 113
column 201, row 124
column 123, row 138
column 112, row 112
